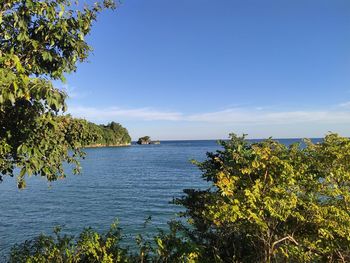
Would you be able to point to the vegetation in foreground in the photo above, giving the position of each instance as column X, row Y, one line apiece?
column 267, row 203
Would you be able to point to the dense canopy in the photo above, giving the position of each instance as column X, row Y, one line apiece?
column 40, row 41
column 112, row 134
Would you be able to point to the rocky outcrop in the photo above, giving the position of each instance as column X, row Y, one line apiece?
column 146, row 140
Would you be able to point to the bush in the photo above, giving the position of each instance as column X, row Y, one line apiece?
column 92, row 247
column 89, row 246
column 273, row 203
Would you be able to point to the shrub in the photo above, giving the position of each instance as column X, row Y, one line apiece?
column 273, row 203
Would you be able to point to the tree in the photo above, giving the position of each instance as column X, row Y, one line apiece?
column 272, row 203
column 110, row 134
column 40, row 41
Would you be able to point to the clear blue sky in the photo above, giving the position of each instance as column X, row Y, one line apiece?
column 200, row 69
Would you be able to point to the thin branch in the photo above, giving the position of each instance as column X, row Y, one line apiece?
column 290, row 238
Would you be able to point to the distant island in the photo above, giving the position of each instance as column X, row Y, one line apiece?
column 112, row 134
column 146, row 140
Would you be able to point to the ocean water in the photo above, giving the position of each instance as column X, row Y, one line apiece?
column 128, row 183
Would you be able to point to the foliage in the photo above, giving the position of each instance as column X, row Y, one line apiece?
column 92, row 247
column 89, row 246
column 40, row 41
column 110, row 134
column 174, row 246
column 273, row 203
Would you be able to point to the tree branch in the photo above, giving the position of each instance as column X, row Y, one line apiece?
column 290, row 238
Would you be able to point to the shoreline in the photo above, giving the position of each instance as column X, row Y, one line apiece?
column 107, row 145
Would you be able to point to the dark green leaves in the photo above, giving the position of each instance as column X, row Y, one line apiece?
column 112, row 134
column 39, row 32
column 39, row 41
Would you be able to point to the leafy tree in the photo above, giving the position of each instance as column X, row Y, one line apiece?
column 120, row 134
column 110, row 134
column 40, row 41
column 272, row 203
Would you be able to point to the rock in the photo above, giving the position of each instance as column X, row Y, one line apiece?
column 146, row 140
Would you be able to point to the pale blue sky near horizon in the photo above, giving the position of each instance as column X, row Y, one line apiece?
column 199, row 69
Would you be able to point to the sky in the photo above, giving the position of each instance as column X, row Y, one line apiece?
column 200, row 69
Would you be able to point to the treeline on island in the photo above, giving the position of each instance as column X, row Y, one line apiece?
column 112, row 134
column 90, row 134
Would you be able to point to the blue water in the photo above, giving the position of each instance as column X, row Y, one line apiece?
column 129, row 183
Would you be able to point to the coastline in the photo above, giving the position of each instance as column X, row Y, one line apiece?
column 107, row 145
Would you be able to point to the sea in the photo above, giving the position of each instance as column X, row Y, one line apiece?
column 130, row 184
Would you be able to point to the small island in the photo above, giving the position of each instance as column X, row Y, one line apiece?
column 146, row 140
